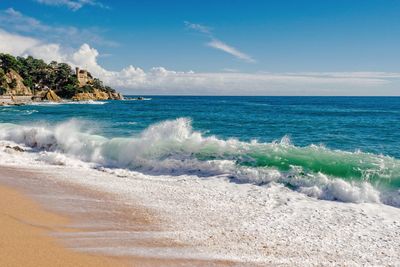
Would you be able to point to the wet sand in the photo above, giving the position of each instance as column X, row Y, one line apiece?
column 25, row 236
column 45, row 223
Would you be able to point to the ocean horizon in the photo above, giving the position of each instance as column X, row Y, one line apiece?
column 199, row 133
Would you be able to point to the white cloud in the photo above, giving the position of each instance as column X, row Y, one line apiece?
column 22, row 46
column 218, row 44
column 47, row 52
column 15, row 21
column 159, row 80
column 15, row 44
column 162, row 81
column 18, row 21
column 72, row 4
column 198, row 27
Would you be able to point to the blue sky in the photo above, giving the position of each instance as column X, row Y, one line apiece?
column 265, row 47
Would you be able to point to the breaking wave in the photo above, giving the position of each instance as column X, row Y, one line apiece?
column 173, row 148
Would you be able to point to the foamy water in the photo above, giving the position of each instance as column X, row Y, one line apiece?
column 174, row 148
column 220, row 183
column 219, row 219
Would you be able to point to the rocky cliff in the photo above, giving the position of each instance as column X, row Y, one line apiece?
column 13, row 84
column 51, row 96
column 29, row 79
column 97, row 95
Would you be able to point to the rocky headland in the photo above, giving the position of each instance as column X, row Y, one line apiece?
column 24, row 80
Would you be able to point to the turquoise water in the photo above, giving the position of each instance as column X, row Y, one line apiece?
column 354, row 139
column 369, row 124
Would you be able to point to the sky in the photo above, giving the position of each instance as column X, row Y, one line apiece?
column 204, row 47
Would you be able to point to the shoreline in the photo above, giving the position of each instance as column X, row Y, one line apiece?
column 189, row 220
column 60, row 230
column 33, row 102
column 25, row 230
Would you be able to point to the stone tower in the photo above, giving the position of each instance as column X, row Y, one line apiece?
column 84, row 77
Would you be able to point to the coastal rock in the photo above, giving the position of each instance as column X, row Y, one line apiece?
column 97, row 95
column 23, row 80
column 117, row 96
column 14, row 85
column 51, row 96
column 16, row 148
column 100, row 95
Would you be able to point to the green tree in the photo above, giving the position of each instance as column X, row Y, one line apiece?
column 2, row 90
column 109, row 89
column 13, row 83
column 2, row 76
column 97, row 83
column 37, row 75
column 8, row 62
column 32, row 70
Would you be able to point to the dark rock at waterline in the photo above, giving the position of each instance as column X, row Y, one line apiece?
column 16, row 148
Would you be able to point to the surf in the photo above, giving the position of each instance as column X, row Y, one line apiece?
column 173, row 147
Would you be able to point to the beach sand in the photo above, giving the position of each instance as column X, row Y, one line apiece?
column 33, row 234
column 25, row 239
column 142, row 220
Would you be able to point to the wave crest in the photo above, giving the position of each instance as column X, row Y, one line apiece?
column 172, row 147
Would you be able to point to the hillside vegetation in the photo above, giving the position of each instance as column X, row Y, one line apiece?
column 20, row 76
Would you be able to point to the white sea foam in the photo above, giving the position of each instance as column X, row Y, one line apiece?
column 21, row 111
column 136, row 99
column 216, row 219
column 87, row 102
column 29, row 112
column 173, row 148
column 45, row 103
column 66, row 102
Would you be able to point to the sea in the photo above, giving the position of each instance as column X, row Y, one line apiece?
column 344, row 149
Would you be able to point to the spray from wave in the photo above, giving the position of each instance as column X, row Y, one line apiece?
column 173, row 148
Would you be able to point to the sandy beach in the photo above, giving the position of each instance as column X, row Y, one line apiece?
column 36, row 232
column 161, row 221
column 25, row 230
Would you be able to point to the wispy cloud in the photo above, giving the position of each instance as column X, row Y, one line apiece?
column 72, row 4
column 218, row 44
column 15, row 21
column 198, row 27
